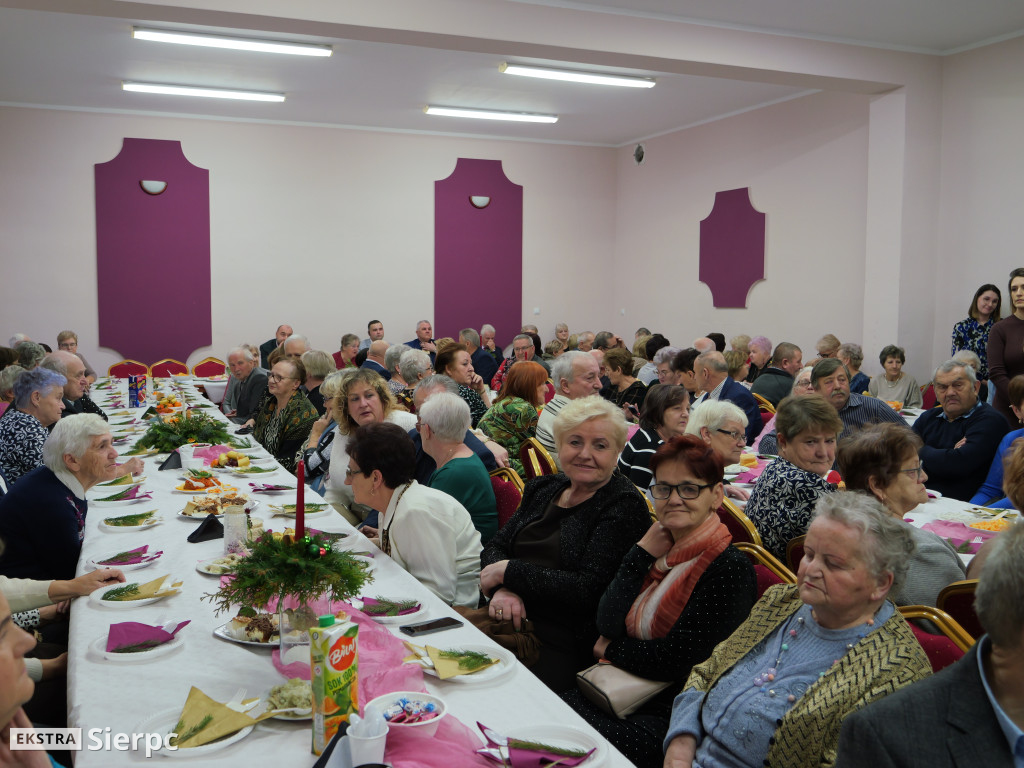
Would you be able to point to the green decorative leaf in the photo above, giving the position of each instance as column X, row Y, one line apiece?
column 130, row 520
column 124, row 592
column 188, row 427
column 469, row 660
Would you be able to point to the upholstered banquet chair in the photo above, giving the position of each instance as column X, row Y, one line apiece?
column 768, row 569
column 126, row 368
column 942, row 649
column 210, row 366
column 508, row 492
column 164, row 369
column 739, row 525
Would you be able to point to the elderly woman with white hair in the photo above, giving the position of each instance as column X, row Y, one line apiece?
column 777, row 690
column 442, row 422
column 414, row 365
column 556, row 556
column 38, row 404
column 392, row 358
column 30, row 354
column 42, row 517
column 852, row 356
column 319, row 366
column 722, row 425
column 316, row 454
column 8, row 376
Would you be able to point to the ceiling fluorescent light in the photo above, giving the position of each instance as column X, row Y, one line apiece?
column 576, row 77
column 234, row 43
column 207, row 93
column 488, row 114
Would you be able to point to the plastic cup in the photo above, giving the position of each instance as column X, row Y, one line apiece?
column 364, row 750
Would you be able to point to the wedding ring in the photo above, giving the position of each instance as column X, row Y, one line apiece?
column 499, row 611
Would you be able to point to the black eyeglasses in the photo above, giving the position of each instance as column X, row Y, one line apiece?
column 737, row 436
column 915, row 473
column 687, row 491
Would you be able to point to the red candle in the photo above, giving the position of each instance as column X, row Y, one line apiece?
column 300, row 508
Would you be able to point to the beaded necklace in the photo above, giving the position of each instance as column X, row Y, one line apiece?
column 762, row 680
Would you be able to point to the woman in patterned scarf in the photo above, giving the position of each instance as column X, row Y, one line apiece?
column 284, row 420
column 680, row 591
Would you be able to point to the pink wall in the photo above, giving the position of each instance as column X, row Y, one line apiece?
column 321, row 228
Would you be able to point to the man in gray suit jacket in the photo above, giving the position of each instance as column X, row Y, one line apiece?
column 969, row 715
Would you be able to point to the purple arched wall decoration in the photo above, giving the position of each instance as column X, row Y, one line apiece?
column 732, row 248
column 478, row 251
column 153, row 253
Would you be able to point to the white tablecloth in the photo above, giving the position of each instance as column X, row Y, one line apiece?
column 118, row 696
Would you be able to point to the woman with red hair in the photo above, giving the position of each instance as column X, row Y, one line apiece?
column 513, row 417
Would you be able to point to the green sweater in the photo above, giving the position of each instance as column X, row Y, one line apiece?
column 466, row 480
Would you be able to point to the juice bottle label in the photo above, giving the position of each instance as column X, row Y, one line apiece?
column 334, row 656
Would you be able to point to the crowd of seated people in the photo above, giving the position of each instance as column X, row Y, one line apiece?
column 580, row 569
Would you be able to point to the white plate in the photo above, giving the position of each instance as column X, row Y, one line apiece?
column 119, row 502
column 127, row 528
column 163, row 723
column 292, row 717
column 96, row 598
column 96, row 565
column 243, row 473
column 367, row 563
column 933, row 494
column 566, row 737
column 203, row 565
column 735, row 469
column 223, row 633
column 183, row 516
column 405, row 617
column 278, row 510
column 115, row 488
column 506, row 663
column 100, row 647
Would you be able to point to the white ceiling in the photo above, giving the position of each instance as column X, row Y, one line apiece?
column 66, row 60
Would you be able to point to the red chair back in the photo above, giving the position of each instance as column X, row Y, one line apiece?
column 940, row 650
column 957, row 599
column 795, row 553
column 126, row 368
column 164, row 369
column 739, row 525
column 508, row 497
column 549, row 391
column 536, row 460
column 211, row 366
column 928, row 397
column 767, row 569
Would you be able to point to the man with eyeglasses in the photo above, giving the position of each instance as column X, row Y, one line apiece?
column 712, row 376
column 962, row 436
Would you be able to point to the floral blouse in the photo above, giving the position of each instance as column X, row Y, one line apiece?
column 509, row 423
column 972, row 335
column 21, row 444
column 782, row 504
column 476, row 404
column 283, row 434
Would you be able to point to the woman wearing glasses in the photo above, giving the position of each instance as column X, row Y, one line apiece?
column 722, row 426
column 284, row 419
column 680, row 591
column 881, row 460
column 782, row 502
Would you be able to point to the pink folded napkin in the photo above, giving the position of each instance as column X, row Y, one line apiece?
column 132, row 637
column 524, row 754
column 962, row 537
column 750, row 475
column 135, row 492
column 131, row 557
column 270, row 487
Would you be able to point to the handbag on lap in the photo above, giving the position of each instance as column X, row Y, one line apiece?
column 615, row 691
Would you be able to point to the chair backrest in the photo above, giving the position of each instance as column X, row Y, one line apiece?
column 650, row 504
column 768, row 569
column 167, row 368
column 928, row 398
column 957, row 599
column 536, row 460
column 739, row 524
column 765, row 418
column 549, row 391
column 942, row 649
column 126, row 368
column 795, row 553
column 210, row 366
column 763, row 403
column 507, row 494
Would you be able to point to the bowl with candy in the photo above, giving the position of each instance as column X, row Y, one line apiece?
column 414, row 711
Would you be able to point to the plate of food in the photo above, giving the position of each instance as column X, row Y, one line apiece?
column 126, row 480
column 165, row 721
column 564, row 739
column 137, row 656
column 218, row 566
column 259, row 631
column 131, row 594
column 252, row 469
column 294, row 694
column 134, row 522
column 288, row 510
column 493, row 661
column 385, row 610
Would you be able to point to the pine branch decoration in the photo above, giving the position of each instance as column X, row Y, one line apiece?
column 275, row 568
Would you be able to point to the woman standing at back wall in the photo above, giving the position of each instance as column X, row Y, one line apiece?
column 972, row 333
column 1006, row 347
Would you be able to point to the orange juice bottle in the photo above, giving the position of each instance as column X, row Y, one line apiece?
column 334, row 664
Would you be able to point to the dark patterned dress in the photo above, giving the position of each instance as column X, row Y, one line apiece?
column 283, row 434
column 21, row 444
column 782, row 503
column 972, row 335
column 476, row 404
column 510, row 422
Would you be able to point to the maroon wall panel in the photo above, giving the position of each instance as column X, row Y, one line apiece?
column 478, row 252
column 153, row 253
column 732, row 248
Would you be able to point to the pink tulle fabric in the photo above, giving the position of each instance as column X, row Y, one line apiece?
column 958, row 533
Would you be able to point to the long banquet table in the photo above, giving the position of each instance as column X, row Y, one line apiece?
column 119, row 696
